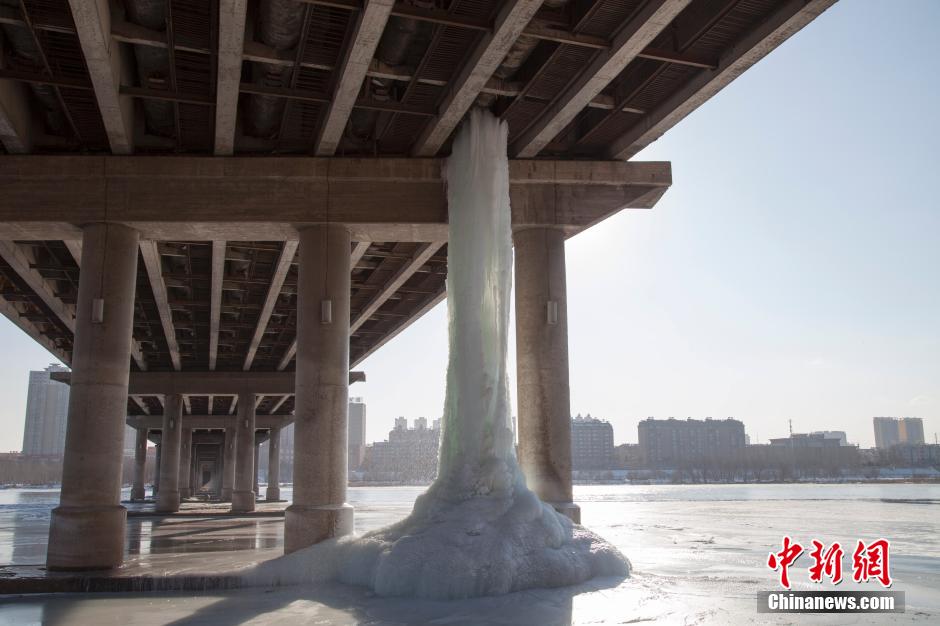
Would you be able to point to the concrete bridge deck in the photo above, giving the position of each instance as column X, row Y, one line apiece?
column 223, row 186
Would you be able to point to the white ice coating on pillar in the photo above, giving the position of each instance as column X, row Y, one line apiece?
column 478, row 530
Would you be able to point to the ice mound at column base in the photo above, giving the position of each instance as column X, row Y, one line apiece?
column 478, row 530
column 480, row 546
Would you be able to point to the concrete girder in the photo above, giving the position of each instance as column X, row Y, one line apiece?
column 789, row 18
column 210, row 199
column 370, row 24
column 606, row 66
column 205, row 383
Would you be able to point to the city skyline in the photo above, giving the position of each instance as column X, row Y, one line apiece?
column 361, row 402
column 813, row 301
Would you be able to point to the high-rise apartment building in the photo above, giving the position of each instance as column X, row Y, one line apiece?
column 357, row 432
column 671, row 443
column 47, row 408
column 592, row 444
column 890, row 431
column 886, row 432
column 409, row 454
column 911, row 430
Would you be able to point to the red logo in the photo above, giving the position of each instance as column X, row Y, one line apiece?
column 871, row 561
column 868, row 562
column 784, row 559
column 828, row 563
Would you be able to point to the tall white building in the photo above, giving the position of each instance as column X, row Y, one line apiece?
column 357, row 432
column 47, row 408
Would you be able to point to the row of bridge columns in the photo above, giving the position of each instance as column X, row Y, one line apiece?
column 168, row 499
column 87, row 529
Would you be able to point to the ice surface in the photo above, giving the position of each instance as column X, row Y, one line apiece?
column 699, row 555
column 478, row 530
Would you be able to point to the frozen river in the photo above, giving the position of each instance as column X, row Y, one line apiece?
column 699, row 555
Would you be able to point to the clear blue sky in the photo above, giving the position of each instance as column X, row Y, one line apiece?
column 790, row 273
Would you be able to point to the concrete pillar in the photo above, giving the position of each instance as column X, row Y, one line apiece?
column 542, row 366
column 243, row 497
column 228, row 465
column 138, row 493
column 273, row 493
column 186, row 463
column 168, row 499
column 87, row 528
column 256, row 489
column 156, row 469
column 319, row 510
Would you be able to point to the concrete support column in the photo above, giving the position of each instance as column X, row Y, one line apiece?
column 243, row 497
column 273, row 492
column 87, row 528
column 257, row 489
column 542, row 366
column 156, row 469
column 138, row 492
column 228, row 465
column 168, row 499
column 186, row 463
column 319, row 510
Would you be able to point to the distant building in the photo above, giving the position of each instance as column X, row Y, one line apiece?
column 833, row 434
column 409, row 454
column 47, row 407
column 914, row 455
column 673, row 443
column 911, row 430
column 627, row 456
column 819, row 439
column 287, row 454
column 810, row 457
column 886, row 432
column 592, row 444
column 890, row 431
column 130, row 440
column 357, row 433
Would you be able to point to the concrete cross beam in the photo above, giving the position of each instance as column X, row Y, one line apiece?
column 358, row 251
column 274, row 292
column 280, row 403
column 17, row 259
column 215, row 304
column 209, row 422
column 151, row 256
column 13, row 314
column 486, row 57
column 244, row 199
column 430, row 303
column 139, row 401
column 257, row 52
column 15, row 117
column 205, row 383
column 627, row 45
column 370, row 23
column 106, row 67
column 788, row 19
column 231, row 47
column 421, row 256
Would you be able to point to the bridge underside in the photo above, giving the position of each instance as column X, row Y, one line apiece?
column 131, row 250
